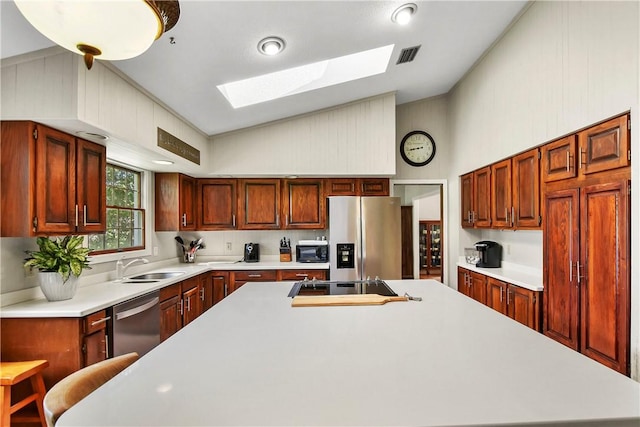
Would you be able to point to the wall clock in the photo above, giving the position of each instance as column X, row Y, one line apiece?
column 417, row 148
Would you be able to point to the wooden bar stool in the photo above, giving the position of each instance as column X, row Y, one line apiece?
column 12, row 373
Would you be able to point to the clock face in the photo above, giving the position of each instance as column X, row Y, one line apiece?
column 417, row 148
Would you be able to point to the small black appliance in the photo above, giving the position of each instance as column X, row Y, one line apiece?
column 490, row 254
column 251, row 252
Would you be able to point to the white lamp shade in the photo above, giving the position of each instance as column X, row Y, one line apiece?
column 120, row 29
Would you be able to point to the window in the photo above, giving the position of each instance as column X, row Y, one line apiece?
column 125, row 217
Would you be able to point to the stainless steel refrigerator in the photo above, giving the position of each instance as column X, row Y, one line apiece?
column 364, row 237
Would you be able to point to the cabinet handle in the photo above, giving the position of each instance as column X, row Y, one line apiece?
column 568, row 161
column 255, row 275
column 234, row 220
column 513, row 215
column 97, row 322
column 580, row 158
column 201, row 294
column 578, row 277
column 301, row 275
column 76, row 215
column 277, row 219
column 286, row 220
column 181, row 307
column 84, row 214
column 506, row 214
column 106, row 346
column 501, row 292
column 225, row 290
column 570, row 271
column 184, row 219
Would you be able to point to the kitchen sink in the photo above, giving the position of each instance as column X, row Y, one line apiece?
column 140, row 281
column 157, row 275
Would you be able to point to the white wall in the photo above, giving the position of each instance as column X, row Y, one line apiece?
column 563, row 66
column 429, row 207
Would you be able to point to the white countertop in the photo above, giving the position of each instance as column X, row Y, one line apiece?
column 524, row 277
column 91, row 298
column 254, row 360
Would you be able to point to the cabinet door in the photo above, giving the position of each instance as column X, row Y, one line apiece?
column 604, row 277
column 190, row 300
column 523, row 306
column 298, row 275
column 170, row 317
column 259, row 204
column 559, row 159
column 56, row 210
column 374, row 186
column 501, row 205
column 91, row 186
column 464, row 284
column 526, row 190
column 560, row 251
column 497, row 295
column 466, row 200
column 216, row 204
column 220, row 284
column 341, row 186
column 482, row 197
column 205, row 289
column 94, row 347
column 187, row 203
column 478, row 289
column 303, row 204
column 604, row 146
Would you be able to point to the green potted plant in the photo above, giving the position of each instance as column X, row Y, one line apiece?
column 60, row 261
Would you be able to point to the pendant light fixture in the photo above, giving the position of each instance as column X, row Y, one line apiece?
column 111, row 30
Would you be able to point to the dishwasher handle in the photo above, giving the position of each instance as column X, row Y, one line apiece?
column 137, row 310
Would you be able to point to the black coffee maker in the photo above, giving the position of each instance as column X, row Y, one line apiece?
column 251, row 252
column 490, row 254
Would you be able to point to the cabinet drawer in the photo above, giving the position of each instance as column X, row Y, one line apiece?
column 95, row 322
column 255, row 276
column 302, row 274
column 170, row 291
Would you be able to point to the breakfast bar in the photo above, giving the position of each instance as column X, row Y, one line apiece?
column 447, row 360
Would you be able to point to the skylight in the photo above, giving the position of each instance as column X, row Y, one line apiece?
column 308, row 77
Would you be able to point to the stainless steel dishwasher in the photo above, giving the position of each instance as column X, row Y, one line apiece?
column 136, row 325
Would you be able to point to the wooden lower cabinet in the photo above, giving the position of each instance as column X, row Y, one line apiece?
column 239, row 278
column 190, row 300
column 520, row 304
column 170, row 316
column 472, row 284
column 298, row 275
column 69, row 344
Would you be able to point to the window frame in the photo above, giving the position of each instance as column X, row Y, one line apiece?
column 146, row 178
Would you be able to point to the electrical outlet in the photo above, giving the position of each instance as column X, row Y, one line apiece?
column 155, row 251
column 228, row 246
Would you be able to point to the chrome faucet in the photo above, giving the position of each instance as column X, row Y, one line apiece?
column 121, row 267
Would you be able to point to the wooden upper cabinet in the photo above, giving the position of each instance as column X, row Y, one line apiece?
column 259, row 204
column 303, row 204
column 52, row 183
column 501, row 205
column 91, row 186
column 356, row 187
column 55, row 181
column 216, row 204
column 605, row 146
column 481, row 214
column 466, row 200
column 559, row 159
column 175, row 202
column 526, row 190
column 374, row 186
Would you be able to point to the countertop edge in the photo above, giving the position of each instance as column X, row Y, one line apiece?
column 523, row 279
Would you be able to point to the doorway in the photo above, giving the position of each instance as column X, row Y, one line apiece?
column 426, row 201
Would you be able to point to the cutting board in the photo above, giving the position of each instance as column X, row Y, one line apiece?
column 329, row 300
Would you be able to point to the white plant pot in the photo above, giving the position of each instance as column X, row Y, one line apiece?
column 53, row 287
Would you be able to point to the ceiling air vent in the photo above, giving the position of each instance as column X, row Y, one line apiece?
column 407, row 54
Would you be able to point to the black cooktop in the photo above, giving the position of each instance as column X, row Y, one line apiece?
column 346, row 287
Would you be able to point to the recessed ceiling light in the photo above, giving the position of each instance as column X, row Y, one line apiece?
column 91, row 135
column 307, row 77
column 271, row 46
column 404, row 13
column 162, row 162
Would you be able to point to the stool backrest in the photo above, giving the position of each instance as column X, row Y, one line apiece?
column 78, row 385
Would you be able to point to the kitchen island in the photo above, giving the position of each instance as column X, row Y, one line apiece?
column 447, row 360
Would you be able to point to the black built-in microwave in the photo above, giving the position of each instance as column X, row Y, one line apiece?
column 312, row 253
